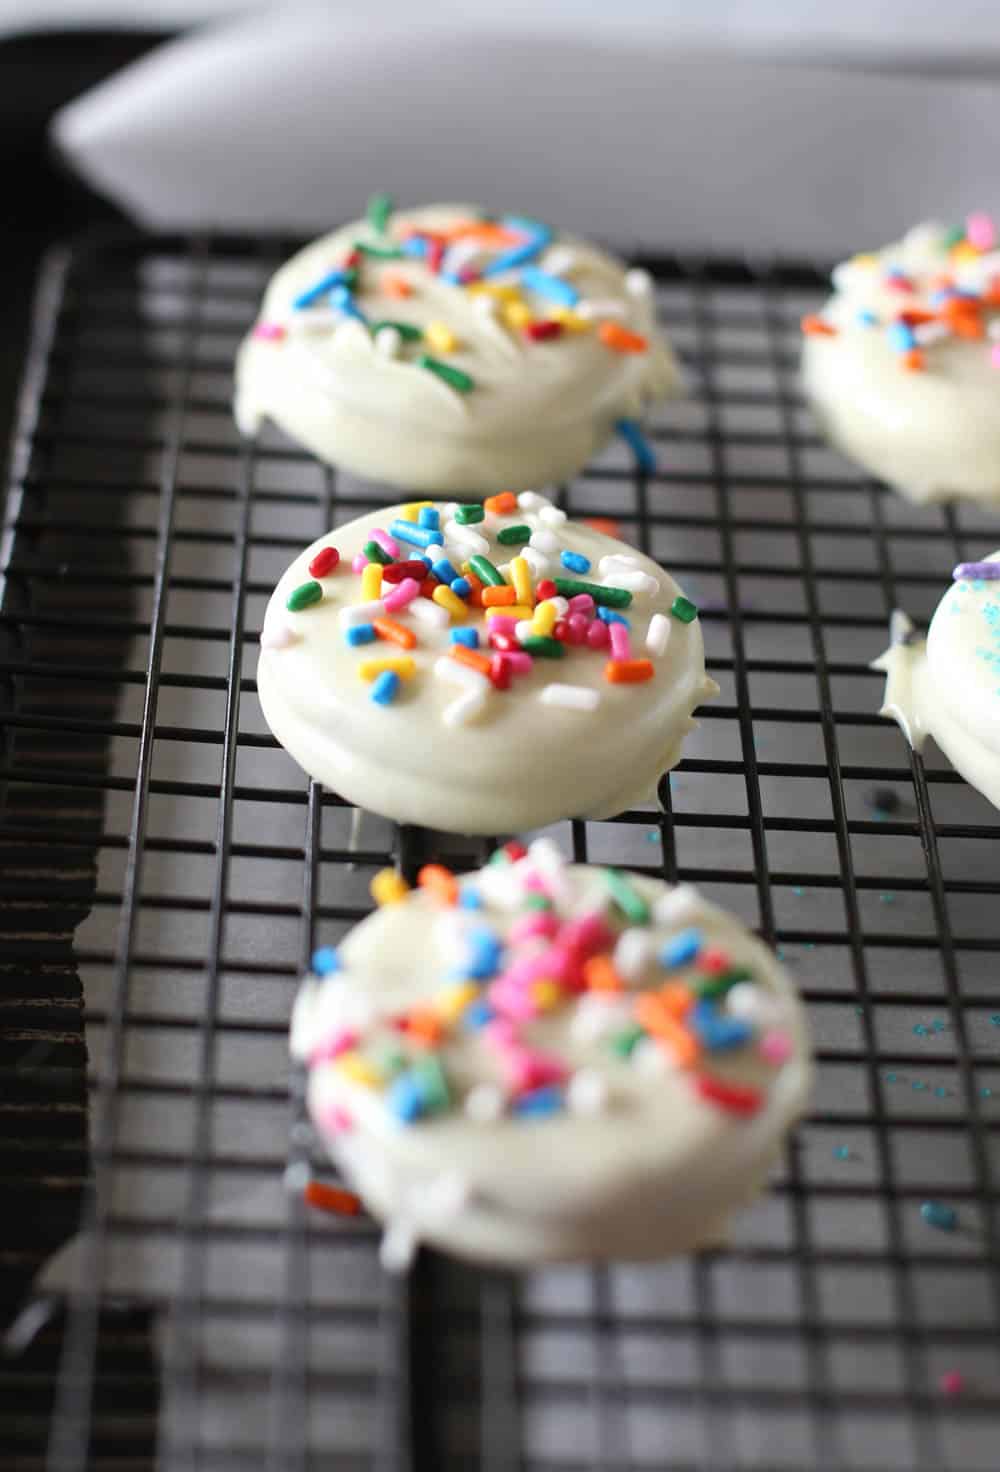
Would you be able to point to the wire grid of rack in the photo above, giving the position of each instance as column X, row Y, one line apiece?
column 167, row 871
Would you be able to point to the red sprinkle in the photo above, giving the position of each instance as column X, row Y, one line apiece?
column 395, row 572
column 332, row 1198
column 324, row 562
column 351, row 260
column 427, row 586
column 714, row 961
column 435, row 253
column 499, row 672
column 546, row 589
column 514, row 850
column 542, row 331
column 732, row 1098
column 560, row 630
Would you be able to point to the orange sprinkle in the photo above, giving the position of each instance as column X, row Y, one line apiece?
column 653, row 1014
column 331, row 1198
column 914, row 361
column 814, row 326
column 498, row 597
column 471, row 657
column 424, row 1027
column 506, row 501
column 396, row 633
column 440, row 882
column 916, row 316
column 393, row 284
column 475, row 598
column 677, row 998
column 620, row 340
column 600, row 975
column 604, row 524
column 964, row 318
column 488, row 234
column 628, row 671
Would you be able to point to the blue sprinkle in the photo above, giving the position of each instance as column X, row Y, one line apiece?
column 612, row 616
column 323, row 285
column 443, row 571
column 417, row 536
column 900, row 337
column 360, row 634
column 936, row 1214
column 940, row 1093
column 841, row 1152
column 717, row 1033
column 485, row 953
column 385, row 687
column 798, row 890
column 477, row 1015
column 405, row 1098
column 681, row 950
column 343, row 301
column 631, row 433
column 415, row 246
column 891, row 1078
column 468, row 637
column 938, row 1025
column 539, row 1103
column 519, row 255
column 986, row 1093
column 553, row 288
column 865, row 318
column 461, row 587
column 918, row 1086
column 429, row 516
column 325, row 961
column 921, row 1029
column 575, row 561
column 995, row 1018
column 469, row 898
column 527, row 226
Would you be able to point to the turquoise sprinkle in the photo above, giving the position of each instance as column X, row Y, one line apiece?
column 937, row 1214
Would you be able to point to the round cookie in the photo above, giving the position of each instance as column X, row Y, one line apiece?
column 948, row 685
column 499, row 699
column 541, row 1061
column 902, row 366
column 441, row 350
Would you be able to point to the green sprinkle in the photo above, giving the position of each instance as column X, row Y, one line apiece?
column 379, row 252
column 304, row 596
column 986, row 1092
column 537, row 902
column 604, row 597
column 626, row 897
column 683, row 609
column 378, row 211
column 514, row 536
column 433, row 1084
column 717, row 986
column 954, row 236
column 406, row 330
column 454, row 377
column 624, row 1042
column 486, row 572
column 375, row 553
column 469, row 515
column 389, row 1060
column 547, row 648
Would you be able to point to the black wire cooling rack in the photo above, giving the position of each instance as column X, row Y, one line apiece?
column 169, row 1298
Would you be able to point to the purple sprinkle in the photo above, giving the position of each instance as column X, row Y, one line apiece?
column 972, row 570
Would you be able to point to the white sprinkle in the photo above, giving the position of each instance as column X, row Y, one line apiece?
column 398, row 1246
column 465, row 709
column 587, row 1093
column 638, row 282
column 467, row 537
column 523, row 629
column 486, row 306
column 429, row 613
column 570, row 697
column 678, row 906
column 536, row 560
column 352, row 334
column 615, row 560
column 460, row 254
column 501, row 885
column 559, row 260
column 993, row 329
column 444, row 1196
column 552, row 515
column 318, row 319
column 544, row 541
column 545, row 854
column 636, row 581
column 633, row 950
column 484, row 1103
column 928, row 333
column 360, row 613
column 449, row 669
column 592, row 311
column 276, row 634
column 751, row 1003
column 650, row 1059
column 658, row 635
column 532, row 501
column 597, row 1015
column 388, row 342
column 561, row 605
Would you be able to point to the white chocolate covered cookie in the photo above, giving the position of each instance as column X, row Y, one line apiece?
column 902, row 366
column 541, row 1061
column 948, row 685
column 481, row 668
column 442, row 350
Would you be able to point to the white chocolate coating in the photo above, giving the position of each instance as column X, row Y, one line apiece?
column 948, row 685
column 933, row 434
column 538, row 411
column 635, row 1163
column 520, row 762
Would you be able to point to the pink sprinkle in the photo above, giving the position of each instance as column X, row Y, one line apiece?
column 402, row 594
column 952, row 1382
column 980, row 230
column 334, row 1045
column 270, row 331
column 518, row 662
column 898, row 283
column 514, row 1003
column 586, row 935
column 582, row 603
column 995, row 355
column 539, row 922
column 500, row 1034
column 597, row 635
column 775, row 1047
column 525, row 1069
column 359, row 562
column 620, row 646
column 501, row 624
column 576, row 627
column 385, row 542
column 336, row 1119
column 277, row 635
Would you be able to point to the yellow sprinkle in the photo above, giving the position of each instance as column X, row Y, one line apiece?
column 412, row 510
column 371, row 582
column 439, row 337
column 388, row 887
column 358, row 1070
column 451, row 1001
column 547, row 994
column 403, row 665
column 451, row 602
column 570, row 320
column 520, row 576
column 516, row 315
column 490, row 288
column 866, row 258
column 963, row 251
column 544, row 619
column 512, row 610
